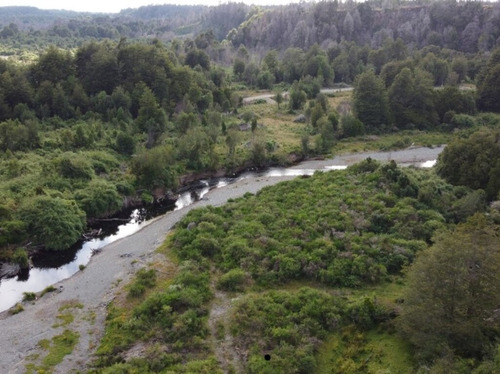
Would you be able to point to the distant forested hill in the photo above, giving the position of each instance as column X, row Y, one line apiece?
column 469, row 27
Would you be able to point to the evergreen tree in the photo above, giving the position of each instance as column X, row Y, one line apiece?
column 489, row 90
column 411, row 97
column 371, row 104
column 152, row 119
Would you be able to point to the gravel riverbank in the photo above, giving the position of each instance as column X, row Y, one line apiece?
column 93, row 288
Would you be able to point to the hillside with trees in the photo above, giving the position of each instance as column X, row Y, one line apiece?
column 467, row 27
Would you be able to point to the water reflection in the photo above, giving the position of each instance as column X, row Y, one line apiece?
column 428, row 164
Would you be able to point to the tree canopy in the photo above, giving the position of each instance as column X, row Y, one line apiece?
column 452, row 297
column 371, row 102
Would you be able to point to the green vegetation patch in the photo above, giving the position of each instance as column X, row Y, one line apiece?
column 175, row 315
column 353, row 351
column 144, row 279
column 287, row 326
column 344, row 228
column 47, row 290
column 57, row 348
column 345, row 234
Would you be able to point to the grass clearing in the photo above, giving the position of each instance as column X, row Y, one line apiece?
column 64, row 319
column 278, row 125
column 387, row 142
column 71, row 304
column 391, row 354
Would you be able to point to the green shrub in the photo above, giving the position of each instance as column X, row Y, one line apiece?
column 13, row 231
column 233, row 280
column 153, row 168
column 99, row 199
column 125, row 144
column 18, row 308
column 351, row 126
column 29, row 296
column 47, row 290
column 53, row 222
column 366, row 313
column 288, row 325
column 20, row 257
column 144, row 279
column 463, row 121
column 74, row 166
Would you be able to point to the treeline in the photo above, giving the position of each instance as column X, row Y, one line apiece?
column 171, row 109
column 69, row 124
column 404, row 95
column 112, row 82
column 82, row 130
column 468, row 27
column 464, row 26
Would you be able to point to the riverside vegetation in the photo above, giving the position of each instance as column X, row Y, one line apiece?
column 315, row 269
column 334, row 272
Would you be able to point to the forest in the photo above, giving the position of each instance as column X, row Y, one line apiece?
column 104, row 112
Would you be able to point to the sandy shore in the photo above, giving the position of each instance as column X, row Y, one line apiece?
column 94, row 287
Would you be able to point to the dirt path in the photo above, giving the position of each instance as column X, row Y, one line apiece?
column 269, row 97
column 227, row 354
column 95, row 287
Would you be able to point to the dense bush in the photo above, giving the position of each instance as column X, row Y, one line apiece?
column 153, row 167
column 288, row 326
column 144, row 279
column 53, row 222
column 473, row 162
column 20, row 257
column 233, row 280
column 344, row 228
column 175, row 315
column 74, row 166
column 99, row 199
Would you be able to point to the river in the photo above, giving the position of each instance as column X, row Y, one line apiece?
column 46, row 273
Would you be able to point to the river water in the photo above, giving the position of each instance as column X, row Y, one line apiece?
column 51, row 268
